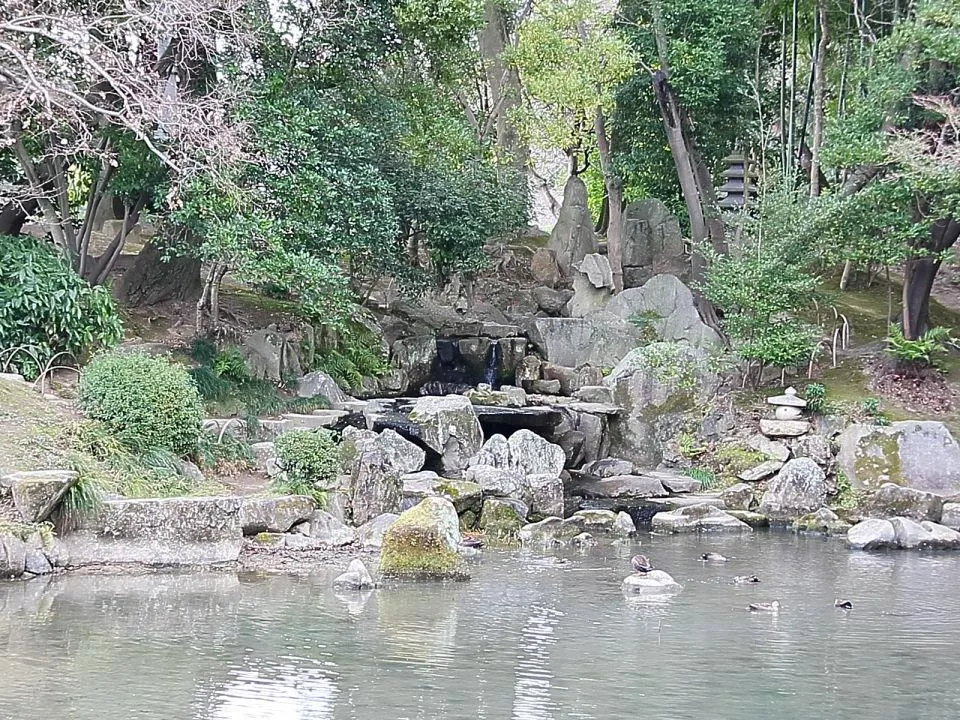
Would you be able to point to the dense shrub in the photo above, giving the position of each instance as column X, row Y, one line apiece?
column 46, row 308
column 147, row 401
column 310, row 461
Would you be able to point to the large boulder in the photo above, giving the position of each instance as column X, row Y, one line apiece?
column 415, row 356
column 376, row 485
column 495, row 481
column 524, row 453
column 601, row 339
column 738, row 497
column 327, row 530
column 263, row 354
column 592, row 285
column 402, row 455
column 798, row 489
column 544, row 269
column 545, row 492
column 551, row 301
column 422, row 543
column 698, row 518
column 274, row 515
column 157, row 532
column 464, row 495
column 371, row 532
column 918, row 454
column 448, row 425
column 891, row 500
column 502, row 518
column 319, row 384
column 659, row 387
column 872, row 534
column 652, row 242
column 950, row 516
column 37, row 494
column 573, row 237
column 667, row 307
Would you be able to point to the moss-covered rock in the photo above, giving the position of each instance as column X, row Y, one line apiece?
column 922, row 455
column 823, row 521
column 502, row 519
column 422, row 544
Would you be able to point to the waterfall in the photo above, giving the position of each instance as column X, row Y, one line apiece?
column 491, row 371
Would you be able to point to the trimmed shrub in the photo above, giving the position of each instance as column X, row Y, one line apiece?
column 310, row 461
column 46, row 308
column 148, row 402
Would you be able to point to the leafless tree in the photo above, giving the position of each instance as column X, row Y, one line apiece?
column 75, row 78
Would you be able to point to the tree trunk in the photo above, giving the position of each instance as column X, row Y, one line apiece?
column 152, row 280
column 615, row 202
column 919, row 273
column 503, row 81
column 819, row 85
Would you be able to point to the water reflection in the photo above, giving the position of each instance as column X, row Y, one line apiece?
column 528, row 638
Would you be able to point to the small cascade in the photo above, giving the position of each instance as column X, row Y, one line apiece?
column 493, row 366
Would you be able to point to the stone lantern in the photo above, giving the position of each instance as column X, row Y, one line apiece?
column 787, row 406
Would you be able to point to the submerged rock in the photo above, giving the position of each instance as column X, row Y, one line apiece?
column 903, row 533
column 275, row 515
column 892, row 500
column 698, row 518
column 357, row 577
column 583, row 540
column 799, row 488
column 824, row 521
column 422, row 544
column 603, row 522
column 543, row 532
column 371, row 533
column 917, row 454
column 656, row 582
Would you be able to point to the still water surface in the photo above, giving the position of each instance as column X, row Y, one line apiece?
column 526, row 639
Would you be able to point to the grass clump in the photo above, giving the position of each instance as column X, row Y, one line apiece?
column 147, row 402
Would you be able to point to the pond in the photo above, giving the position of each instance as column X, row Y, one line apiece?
column 529, row 638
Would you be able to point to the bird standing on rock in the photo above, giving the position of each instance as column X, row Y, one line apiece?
column 713, row 557
column 641, row 564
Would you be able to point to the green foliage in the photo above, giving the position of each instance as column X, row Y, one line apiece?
column 83, row 497
column 46, row 309
column 711, row 49
column 310, row 462
column 226, row 456
column 815, row 394
column 708, row 480
column 920, row 352
column 570, row 60
column 689, row 446
column 148, row 402
column 230, row 365
column 765, row 284
column 358, row 353
column 106, row 464
column 645, row 321
column 870, row 407
column 846, row 497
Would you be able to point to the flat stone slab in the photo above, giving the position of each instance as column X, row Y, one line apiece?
column 157, row 532
column 619, row 487
column 784, row 428
column 698, row 518
column 764, row 470
column 275, row 515
column 682, row 501
column 37, row 494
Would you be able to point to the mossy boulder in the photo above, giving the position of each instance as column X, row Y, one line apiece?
column 917, row 454
column 449, row 426
column 502, row 518
column 422, row 544
column 892, row 500
column 823, row 521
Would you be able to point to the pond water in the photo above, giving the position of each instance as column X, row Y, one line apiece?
column 527, row 639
